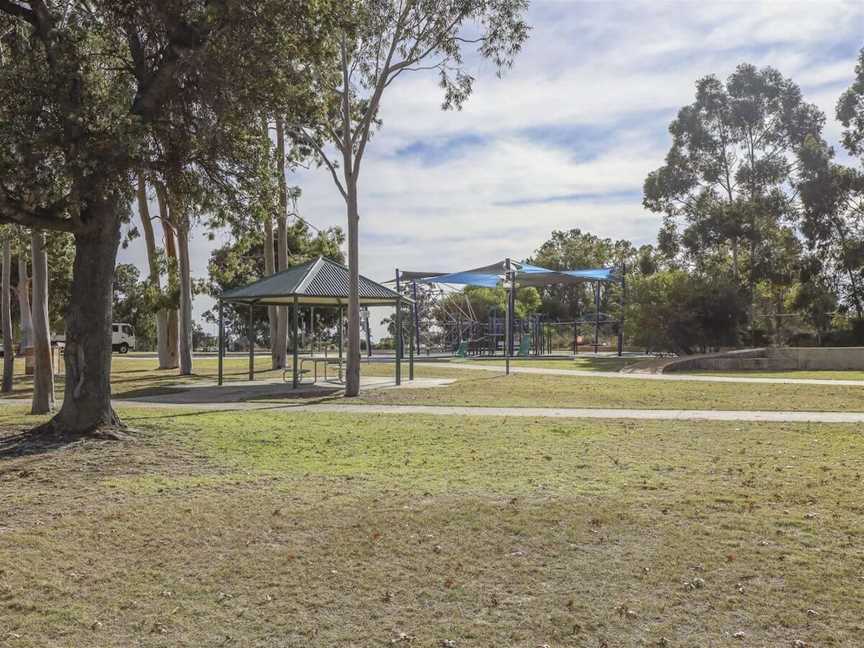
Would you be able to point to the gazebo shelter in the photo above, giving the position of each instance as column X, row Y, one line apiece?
column 317, row 283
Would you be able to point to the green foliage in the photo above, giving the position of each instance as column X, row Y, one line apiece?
column 241, row 262
column 682, row 312
column 573, row 250
column 730, row 175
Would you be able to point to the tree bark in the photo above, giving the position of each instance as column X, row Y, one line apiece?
column 162, row 350
column 270, row 262
column 43, row 375
column 172, row 323
column 6, row 318
column 87, row 395
column 22, row 290
column 352, row 371
column 281, row 243
column 185, row 299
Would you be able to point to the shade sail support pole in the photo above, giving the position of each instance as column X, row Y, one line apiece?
column 596, row 316
column 508, row 317
column 416, row 319
column 411, row 344
column 398, row 334
column 623, row 305
column 221, row 350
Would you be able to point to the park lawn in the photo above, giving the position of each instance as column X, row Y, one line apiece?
column 132, row 377
column 140, row 378
column 278, row 529
column 582, row 363
column 488, row 389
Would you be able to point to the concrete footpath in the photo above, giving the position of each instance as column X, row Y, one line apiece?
column 523, row 412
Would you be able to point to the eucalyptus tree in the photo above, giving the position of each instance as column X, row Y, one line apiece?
column 43, row 367
column 832, row 221
column 6, row 312
column 85, row 89
column 849, row 185
column 731, row 174
column 166, row 355
column 375, row 42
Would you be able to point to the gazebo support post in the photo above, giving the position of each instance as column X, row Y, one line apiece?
column 398, row 336
column 250, row 335
column 368, row 335
column 295, row 360
column 341, row 328
column 221, row 338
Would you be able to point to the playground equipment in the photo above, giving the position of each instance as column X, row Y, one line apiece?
column 465, row 334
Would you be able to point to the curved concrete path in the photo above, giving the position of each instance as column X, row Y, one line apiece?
column 521, row 412
column 480, row 366
column 556, row 412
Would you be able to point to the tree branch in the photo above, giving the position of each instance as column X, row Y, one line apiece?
column 302, row 135
column 47, row 218
column 19, row 11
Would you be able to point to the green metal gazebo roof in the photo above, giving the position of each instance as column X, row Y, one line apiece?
column 319, row 282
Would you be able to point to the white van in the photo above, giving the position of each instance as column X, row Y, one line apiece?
column 122, row 337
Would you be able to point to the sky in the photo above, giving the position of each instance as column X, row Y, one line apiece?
column 566, row 138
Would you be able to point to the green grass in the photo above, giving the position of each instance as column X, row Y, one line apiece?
column 140, row 378
column 131, row 376
column 487, row 389
column 278, row 529
column 582, row 363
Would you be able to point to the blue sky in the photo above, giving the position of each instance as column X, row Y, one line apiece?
column 565, row 138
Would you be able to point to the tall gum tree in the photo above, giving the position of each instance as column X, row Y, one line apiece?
column 167, row 359
column 731, row 173
column 43, row 367
column 376, row 41
column 6, row 314
column 101, row 78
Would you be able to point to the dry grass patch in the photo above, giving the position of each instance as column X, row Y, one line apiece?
column 278, row 529
column 488, row 389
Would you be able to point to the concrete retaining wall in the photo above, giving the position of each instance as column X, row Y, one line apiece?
column 819, row 358
column 772, row 359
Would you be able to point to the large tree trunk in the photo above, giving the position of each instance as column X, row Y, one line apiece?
column 43, row 375
column 352, row 373
column 87, row 395
column 6, row 318
column 281, row 345
column 162, row 350
column 185, row 300
column 22, row 290
column 172, row 321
